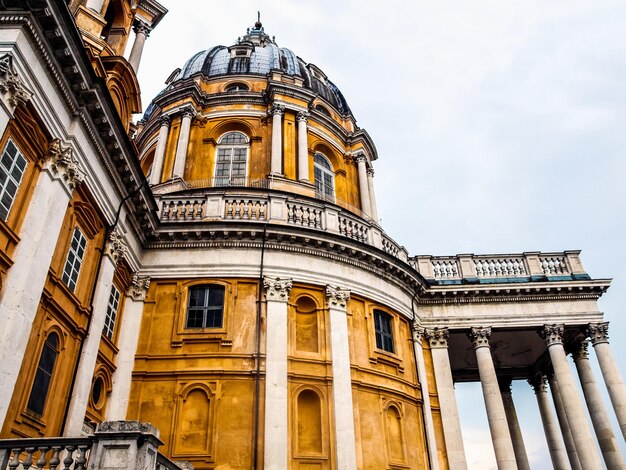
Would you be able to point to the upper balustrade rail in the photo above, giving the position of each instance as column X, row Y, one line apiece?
column 246, row 205
column 496, row 268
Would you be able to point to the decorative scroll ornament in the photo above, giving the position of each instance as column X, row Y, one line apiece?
column 302, row 116
column 438, row 337
column 553, row 334
column 138, row 287
column 64, row 164
column 337, row 297
column 598, row 332
column 116, row 246
column 581, row 350
column 480, row 337
column 539, row 383
column 417, row 332
column 11, row 85
column 277, row 288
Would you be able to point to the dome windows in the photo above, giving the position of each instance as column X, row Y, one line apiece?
column 231, row 164
column 236, row 88
column 323, row 110
column 324, row 178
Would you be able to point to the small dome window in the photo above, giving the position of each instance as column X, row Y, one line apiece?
column 323, row 110
column 324, row 178
column 237, row 88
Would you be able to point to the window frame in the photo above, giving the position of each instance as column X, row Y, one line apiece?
column 77, row 260
column 384, row 339
column 232, row 148
column 206, row 308
column 50, row 374
column 321, row 184
column 10, row 178
column 112, row 313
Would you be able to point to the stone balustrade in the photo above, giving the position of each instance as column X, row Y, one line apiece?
column 252, row 206
column 50, row 453
column 530, row 266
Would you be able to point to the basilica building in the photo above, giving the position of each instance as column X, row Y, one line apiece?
column 210, row 287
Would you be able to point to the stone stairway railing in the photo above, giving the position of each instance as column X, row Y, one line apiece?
column 491, row 268
column 277, row 209
column 113, row 441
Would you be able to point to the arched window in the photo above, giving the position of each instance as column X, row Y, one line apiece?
column 324, row 178
column 232, row 160
column 43, row 376
column 237, row 87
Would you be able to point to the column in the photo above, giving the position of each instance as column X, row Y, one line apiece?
column 276, row 398
column 599, row 334
column 342, row 378
column 95, row 5
column 514, row 429
column 370, row 186
column 115, row 248
column 303, row 148
column 276, row 164
column 142, row 31
column 127, row 345
column 25, row 280
column 502, row 444
column 438, row 339
column 556, row 446
column 585, row 447
column 418, row 334
column 568, row 440
column 363, row 188
column 159, row 153
column 183, row 143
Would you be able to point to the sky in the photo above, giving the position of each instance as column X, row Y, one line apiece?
column 500, row 128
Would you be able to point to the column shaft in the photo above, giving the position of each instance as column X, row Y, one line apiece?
column 276, row 398
column 303, row 148
column 342, row 379
column 568, row 440
column 363, row 188
column 370, row 185
column 277, row 140
column 183, row 144
column 141, row 34
column 514, row 429
column 572, row 403
column 79, row 397
column 556, row 446
column 502, row 444
column 127, row 344
column 25, row 280
column 610, row 372
column 438, row 339
column 599, row 417
column 159, row 153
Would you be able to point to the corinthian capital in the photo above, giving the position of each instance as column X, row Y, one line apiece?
column 553, row 334
column 116, row 246
column 141, row 28
column 480, row 337
column 302, row 116
column 539, row 383
column 360, row 158
column 277, row 109
column 438, row 337
column 337, row 297
column 370, row 172
column 598, row 332
column 417, row 332
column 11, row 85
column 64, row 165
column 581, row 350
column 277, row 288
column 138, row 287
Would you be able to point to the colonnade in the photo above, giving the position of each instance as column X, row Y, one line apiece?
column 571, row 447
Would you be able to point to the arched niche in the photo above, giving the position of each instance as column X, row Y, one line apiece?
column 307, row 325
column 309, row 431
column 394, row 434
column 194, row 421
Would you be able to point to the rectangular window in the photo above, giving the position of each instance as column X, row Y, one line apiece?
column 206, row 307
column 114, row 303
column 12, row 166
column 384, row 335
column 74, row 259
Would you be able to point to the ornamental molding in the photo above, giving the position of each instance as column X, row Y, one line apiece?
column 598, row 332
column 116, row 247
column 539, row 383
column 276, row 109
column 580, row 350
column 277, row 289
column 64, row 165
column 418, row 333
column 553, row 334
column 11, row 85
column 370, row 171
column 337, row 297
column 438, row 337
column 479, row 336
column 302, row 116
column 138, row 287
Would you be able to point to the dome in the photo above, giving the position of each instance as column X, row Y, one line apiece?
column 258, row 54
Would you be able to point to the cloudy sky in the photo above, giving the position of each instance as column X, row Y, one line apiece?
column 500, row 128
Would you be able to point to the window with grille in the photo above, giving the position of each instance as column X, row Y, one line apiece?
column 324, row 178
column 74, row 259
column 43, row 376
column 112, row 306
column 205, row 308
column 232, row 160
column 384, row 334
column 12, row 166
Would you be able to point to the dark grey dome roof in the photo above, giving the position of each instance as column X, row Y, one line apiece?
column 260, row 54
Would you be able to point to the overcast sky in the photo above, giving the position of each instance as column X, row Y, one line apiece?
column 500, row 128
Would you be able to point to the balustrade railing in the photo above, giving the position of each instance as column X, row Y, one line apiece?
column 64, row 453
column 183, row 209
column 445, row 268
column 500, row 267
column 352, row 228
column 553, row 265
column 245, row 209
column 305, row 215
